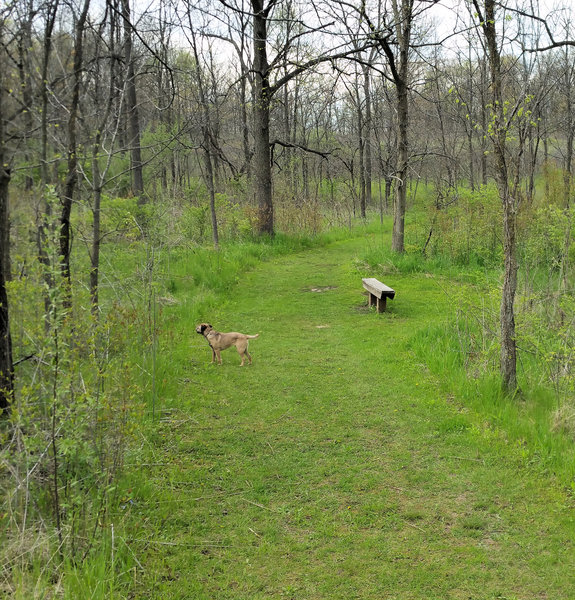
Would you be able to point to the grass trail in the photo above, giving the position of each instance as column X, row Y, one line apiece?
column 335, row 466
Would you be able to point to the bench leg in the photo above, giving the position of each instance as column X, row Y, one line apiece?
column 381, row 304
column 372, row 300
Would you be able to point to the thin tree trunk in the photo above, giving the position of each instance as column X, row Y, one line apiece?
column 508, row 357
column 468, row 126
column 245, row 125
column 95, row 251
column 367, row 125
column 47, row 50
column 52, row 9
column 132, row 108
column 483, row 136
column 470, row 158
column 207, row 143
column 209, row 178
column 72, row 175
column 24, row 73
column 6, row 365
column 568, row 176
column 361, row 154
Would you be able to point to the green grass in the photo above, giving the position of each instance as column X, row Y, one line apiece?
column 337, row 465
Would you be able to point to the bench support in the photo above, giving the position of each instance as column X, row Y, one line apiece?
column 379, row 303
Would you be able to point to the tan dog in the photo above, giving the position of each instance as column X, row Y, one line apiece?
column 221, row 341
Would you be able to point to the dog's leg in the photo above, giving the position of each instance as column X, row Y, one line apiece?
column 243, row 352
column 213, row 355
column 219, row 356
column 242, row 348
column 243, row 355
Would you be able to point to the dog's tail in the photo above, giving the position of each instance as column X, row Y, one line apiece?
column 253, row 337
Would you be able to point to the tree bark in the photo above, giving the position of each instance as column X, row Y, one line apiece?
column 262, row 172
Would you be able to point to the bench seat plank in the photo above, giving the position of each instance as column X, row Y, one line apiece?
column 378, row 289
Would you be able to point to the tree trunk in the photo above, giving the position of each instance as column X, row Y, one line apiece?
column 6, row 365
column 470, row 158
column 72, row 175
column 568, row 174
column 132, row 108
column 95, row 251
column 52, row 10
column 508, row 357
column 403, row 15
column 361, row 153
column 96, row 223
column 568, row 169
column 209, row 178
column 367, row 136
column 208, row 135
column 25, row 46
column 400, row 197
column 262, row 172
column 483, row 135
column 245, row 125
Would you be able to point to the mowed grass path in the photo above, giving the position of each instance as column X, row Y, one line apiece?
column 336, row 466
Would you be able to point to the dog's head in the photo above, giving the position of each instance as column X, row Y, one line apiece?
column 203, row 328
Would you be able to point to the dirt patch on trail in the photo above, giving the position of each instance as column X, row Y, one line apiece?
column 318, row 289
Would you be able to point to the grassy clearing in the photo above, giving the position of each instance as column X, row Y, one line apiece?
column 338, row 465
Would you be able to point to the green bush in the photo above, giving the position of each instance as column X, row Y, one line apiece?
column 463, row 226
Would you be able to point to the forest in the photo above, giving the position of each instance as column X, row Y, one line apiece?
column 245, row 163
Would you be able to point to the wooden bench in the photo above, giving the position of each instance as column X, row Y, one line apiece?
column 378, row 293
